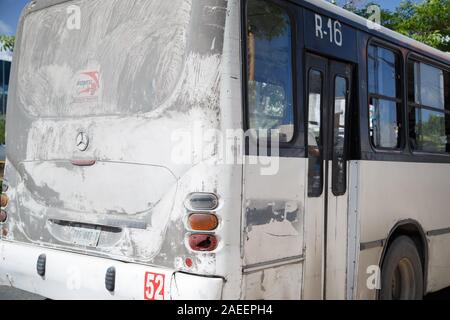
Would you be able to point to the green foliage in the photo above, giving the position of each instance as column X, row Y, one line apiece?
column 432, row 134
column 267, row 21
column 7, row 43
column 427, row 21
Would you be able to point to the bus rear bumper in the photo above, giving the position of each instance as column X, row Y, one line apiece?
column 75, row 276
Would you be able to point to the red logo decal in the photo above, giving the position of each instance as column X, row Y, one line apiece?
column 154, row 286
column 87, row 87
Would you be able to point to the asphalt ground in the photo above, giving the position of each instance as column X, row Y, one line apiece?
column 7, row 293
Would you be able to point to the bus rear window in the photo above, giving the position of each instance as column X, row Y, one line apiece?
column 269, row 54
column 125, row 58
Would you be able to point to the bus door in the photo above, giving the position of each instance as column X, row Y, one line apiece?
column 328, row 96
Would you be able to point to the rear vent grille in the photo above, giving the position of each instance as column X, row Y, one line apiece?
column 40, row 266
column 110, row 279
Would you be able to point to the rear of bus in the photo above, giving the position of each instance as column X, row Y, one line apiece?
column 106, row 196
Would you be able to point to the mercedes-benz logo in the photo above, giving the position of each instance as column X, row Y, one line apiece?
column 82, row 141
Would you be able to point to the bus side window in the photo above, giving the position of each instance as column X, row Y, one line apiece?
column 385, row 101
column 269, row 68
column 429, row 105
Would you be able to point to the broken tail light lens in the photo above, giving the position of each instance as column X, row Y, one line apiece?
column 203, row 201
column 203, row 222
column 3, row 216
column 203, row 242
column 4, row 200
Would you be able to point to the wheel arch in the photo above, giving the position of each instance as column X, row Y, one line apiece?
column 412, row 229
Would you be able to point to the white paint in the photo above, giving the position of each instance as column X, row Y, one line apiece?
column 189, row 287
column 84, row 276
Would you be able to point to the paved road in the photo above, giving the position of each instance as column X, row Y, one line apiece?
column 13, row 294
column 7, row 293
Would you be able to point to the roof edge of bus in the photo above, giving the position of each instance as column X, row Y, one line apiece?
column 362, row 23
column 358, row 21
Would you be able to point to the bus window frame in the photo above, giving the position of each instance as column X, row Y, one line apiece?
column 323, row 156
column 348, row 96
column 416, row 57
column 296, row 146
column 400, row 100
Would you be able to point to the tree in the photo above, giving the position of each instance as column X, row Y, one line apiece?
column 7, row 43
column 427, row 21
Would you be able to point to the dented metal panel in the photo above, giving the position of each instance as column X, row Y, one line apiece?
column 274, row 227
column 280, row 283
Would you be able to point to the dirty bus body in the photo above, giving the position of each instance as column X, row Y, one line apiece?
column 111, row 194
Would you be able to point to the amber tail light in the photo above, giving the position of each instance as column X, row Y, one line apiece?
column 203, row 242
column 4, row 200
column 203, row 222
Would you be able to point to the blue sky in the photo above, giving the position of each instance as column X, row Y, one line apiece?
column 9, row 15
column 385, row 4
column 10, row 12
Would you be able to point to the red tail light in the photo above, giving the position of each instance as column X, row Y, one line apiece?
column 188, row 262
column 203, row 242
column 3, row 216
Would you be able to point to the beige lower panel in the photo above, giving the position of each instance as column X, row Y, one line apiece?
column 280, row 283
column 438, row 257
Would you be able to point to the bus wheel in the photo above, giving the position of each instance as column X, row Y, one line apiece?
column 402, row 274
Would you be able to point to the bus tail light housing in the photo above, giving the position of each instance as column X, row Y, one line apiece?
column 5, row 186
column 202, row 202
column 203, row 222
column 3, row 216
column 203, row 242
column 4, row 200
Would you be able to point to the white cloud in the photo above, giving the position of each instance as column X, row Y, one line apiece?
column 5, row 28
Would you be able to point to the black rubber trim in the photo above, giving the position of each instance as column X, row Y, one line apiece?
column 372, row 244
column 438, row 232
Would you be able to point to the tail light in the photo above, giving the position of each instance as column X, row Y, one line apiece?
column 3, row 216
column 4, row 200
column 203, row 222
column 203, row 202
column 202, row 218
column 203, row 242
column 188, row 262
column 5, row 186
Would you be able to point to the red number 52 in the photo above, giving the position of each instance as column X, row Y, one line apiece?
column 154, row 286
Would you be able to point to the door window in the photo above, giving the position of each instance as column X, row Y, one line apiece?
column 315, row 174
column 339, row 162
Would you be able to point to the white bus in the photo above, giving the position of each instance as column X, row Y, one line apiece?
column 138, row 165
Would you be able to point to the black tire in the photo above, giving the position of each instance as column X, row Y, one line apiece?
column 402, row 272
